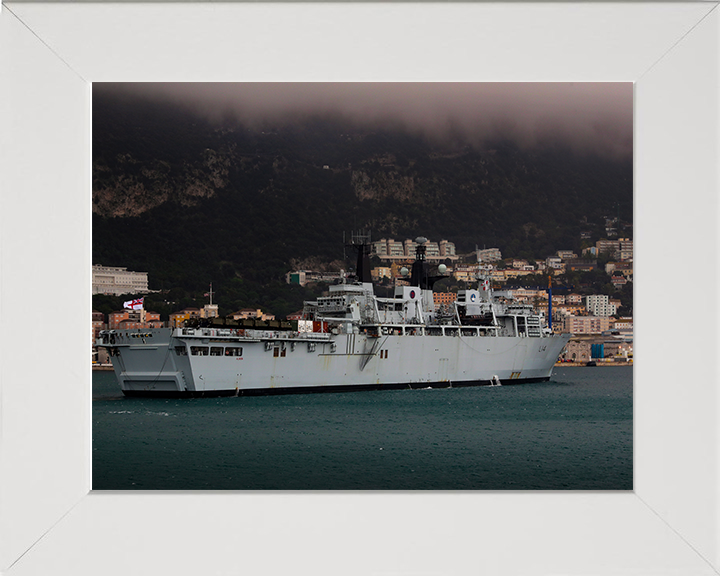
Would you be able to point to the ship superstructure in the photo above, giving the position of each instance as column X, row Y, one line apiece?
column 349, row 339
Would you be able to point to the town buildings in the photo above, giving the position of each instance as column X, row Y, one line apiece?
column 391, row 249
column 489, row 255
column 179, row 318
column 586, row 324
column 619, row 268
column 98, row 323
column 576, row 351
column 622, row 249
column 255, row 313
column 581, row 315
column 116, row 281
column 303, row 277
column 599, row 305
column 127, row 319
column 380, row 273
column 444, row 298
column 207, row 311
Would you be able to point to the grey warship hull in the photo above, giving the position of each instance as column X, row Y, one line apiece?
column 350, row 339
column 212, row 361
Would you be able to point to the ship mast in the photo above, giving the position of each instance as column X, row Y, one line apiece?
column 485, row 285
column 550, row 303
column 210, row 294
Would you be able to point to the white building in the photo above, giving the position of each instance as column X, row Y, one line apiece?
column 585, row 324
column 390, row 249
column 489, row 255
column 599, row 305
column 554, row 262
column 117, row 281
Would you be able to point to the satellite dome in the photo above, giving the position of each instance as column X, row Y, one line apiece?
column 421, row 240
column 404, row 271
column 442, row 268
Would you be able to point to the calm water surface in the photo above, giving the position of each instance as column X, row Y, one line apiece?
column 572, row 433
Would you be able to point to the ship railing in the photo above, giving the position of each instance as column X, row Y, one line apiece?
column 450, row 330
column 250, row 334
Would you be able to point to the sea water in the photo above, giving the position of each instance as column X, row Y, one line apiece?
column 571, row 433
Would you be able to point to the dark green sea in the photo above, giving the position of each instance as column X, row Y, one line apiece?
column 572, row 433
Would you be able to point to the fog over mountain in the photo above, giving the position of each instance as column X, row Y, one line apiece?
column 588, row 117
column 237, row 184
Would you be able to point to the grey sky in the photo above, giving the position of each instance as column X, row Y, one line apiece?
column 588, row 116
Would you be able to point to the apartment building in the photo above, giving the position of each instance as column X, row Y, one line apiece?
column 617, row 268
column 623, row 324
column 380, row 272
column 622, row 249
column 466, row 273
column 116, row 281
column 390, row 249
column 573, row 299
column 585, row 324
column 98, row 323
column 489, row 255
column 599, row 305
column 568, row 309
column 178, row 318
column 440, row 298
column 128, row 319
column 528, row 294
column 447, row 249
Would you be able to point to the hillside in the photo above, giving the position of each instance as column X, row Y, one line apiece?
column 192, row 202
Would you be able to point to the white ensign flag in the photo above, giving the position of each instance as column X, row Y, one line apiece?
column 134, row 304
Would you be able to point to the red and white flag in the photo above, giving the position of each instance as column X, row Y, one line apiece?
column 134, row 304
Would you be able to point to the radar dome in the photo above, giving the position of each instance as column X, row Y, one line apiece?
column 442, row 268
column 421, row 240
column 404, row 271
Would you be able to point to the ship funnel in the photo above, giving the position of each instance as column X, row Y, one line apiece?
column 360, row 241
column 420, row 276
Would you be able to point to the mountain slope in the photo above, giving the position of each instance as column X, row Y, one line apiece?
column 192, row 202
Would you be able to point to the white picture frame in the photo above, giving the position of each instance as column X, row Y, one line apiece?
column 50, row 521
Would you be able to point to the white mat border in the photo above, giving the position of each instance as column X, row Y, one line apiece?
column 50, row 53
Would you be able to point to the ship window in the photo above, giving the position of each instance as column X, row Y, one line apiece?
column 181, row 350
column 276, row 352
column 233, row 351
column 214, row 351
column 199, row 350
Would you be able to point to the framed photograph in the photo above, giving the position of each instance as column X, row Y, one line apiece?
column 51, row 53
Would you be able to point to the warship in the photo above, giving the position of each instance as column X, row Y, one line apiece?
column 351, row 339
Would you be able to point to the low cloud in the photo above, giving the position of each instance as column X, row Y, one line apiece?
column 590, row 117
